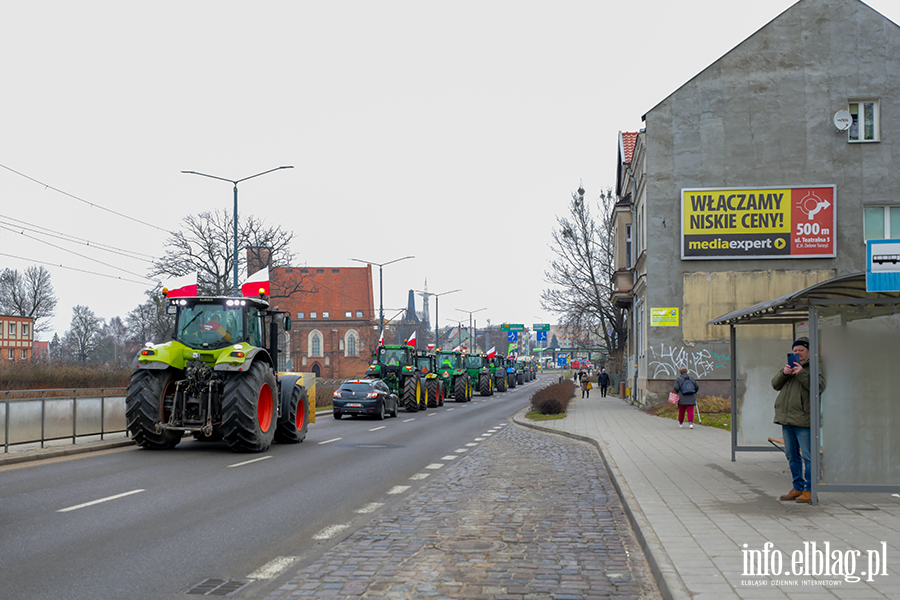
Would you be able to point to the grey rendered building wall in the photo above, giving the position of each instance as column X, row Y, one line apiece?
column 762, row 116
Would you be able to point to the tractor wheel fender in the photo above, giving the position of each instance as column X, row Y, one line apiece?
column 256, row 354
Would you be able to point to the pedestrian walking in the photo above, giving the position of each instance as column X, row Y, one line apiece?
column 686, row 387
column 603, row 380
column 792, row 413
column 585, row 385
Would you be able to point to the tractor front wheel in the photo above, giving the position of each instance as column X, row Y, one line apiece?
column 460, row 389
column 484, row 384
column 412, row 394
column 148, row 402
column 433, row 388
column 248, row 409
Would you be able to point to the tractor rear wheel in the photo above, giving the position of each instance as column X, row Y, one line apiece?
column 501, row 383
column 484, row 384
column 460, row 389
column 520, row 378
column 148, row 402
column 511, row 380
column 412, row 394
column 294, row 420
column 248, row 409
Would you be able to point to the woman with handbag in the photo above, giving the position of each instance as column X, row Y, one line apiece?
column 585, row 385
column 686, row 387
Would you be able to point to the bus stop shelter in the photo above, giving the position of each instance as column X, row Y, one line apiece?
column 855, row 340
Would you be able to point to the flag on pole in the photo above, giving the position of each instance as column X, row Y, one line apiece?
column 492, row 352
column 431, row 346
column 256, row 284
column 381, row 338
column 178, row 287
column 455, row 349
column 412, row 340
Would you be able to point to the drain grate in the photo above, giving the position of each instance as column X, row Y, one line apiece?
column 470, row 546
column 218, row 587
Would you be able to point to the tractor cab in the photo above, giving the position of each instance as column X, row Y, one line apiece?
column 213, row 323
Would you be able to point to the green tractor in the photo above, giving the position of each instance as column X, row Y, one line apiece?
column 455, row 378
column 397, row 367
column 476, row 366
column 434, row 386
column 497, row 367
column 216, row 379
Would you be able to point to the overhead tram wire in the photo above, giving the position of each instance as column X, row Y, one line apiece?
column 70, row 238
column 75, row 253
column 43, row 262
column 91, row 204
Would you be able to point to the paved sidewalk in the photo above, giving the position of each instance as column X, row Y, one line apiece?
column 694, row 510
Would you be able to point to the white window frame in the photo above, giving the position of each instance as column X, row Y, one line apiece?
column 887, row 232
column 315, row 339
column 857, row 125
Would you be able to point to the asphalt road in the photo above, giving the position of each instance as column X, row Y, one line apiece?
column 133, row 523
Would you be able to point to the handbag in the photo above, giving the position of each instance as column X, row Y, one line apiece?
column 673, row 398
column 589, row 386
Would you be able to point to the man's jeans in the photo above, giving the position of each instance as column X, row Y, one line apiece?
column 796, row 448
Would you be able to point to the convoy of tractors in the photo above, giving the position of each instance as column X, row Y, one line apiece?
column 217, row 379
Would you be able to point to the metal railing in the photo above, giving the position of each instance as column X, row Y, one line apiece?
column 32, row 416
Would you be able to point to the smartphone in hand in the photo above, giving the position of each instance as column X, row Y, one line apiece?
column 792, row 359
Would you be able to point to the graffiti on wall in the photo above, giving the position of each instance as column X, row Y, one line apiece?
column 666, row 361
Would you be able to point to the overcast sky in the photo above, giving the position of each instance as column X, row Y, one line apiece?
column 454, row 132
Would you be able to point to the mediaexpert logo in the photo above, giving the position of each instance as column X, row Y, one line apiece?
column 813, row 561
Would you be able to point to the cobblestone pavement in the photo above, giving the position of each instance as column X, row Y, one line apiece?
column 524, row 516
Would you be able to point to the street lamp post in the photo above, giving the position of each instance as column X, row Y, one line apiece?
column 381, row 288
column 437, row 339
column 235, row 182
column 472, row 312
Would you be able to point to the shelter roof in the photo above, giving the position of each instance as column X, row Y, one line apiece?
column 794, row 307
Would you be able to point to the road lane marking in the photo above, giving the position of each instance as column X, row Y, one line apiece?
column 480, row 439
column 330, row 532
column 471, row 444
column 329, row 441
column 247, row 462
column 408, row 420
column 107, row 499
column 435, row 466
column 370, row 507
column 487, row 434
column 449, row 409
column 448, row 457
column 432, row 414
column 461, row 450
column 273, row 568
column 419, row 476
column 398, row 489
column 377, row 428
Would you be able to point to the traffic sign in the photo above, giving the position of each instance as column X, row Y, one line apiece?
column 541, row 327
column 512, row 336
column 541, row 336
column 562, row 359
column 512, row 327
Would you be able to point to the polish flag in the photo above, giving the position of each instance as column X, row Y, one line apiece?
column 431, row 346
column 381, row 339
column 492, row 352
column 256, row 284
column 455, row 349
column 180, row 287
column 412, row 340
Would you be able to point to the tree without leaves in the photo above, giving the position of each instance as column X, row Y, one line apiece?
column 149, row 322
column 582, row 273
column 84, row 335
column 205, row 245
column 29, row 294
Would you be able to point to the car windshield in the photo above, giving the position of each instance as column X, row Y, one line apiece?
column 392, row 357
column 209, row 326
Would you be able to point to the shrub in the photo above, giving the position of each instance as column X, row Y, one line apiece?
column 40, row 375
column 553, row 399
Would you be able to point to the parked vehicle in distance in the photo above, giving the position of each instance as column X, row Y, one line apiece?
column 369, row 397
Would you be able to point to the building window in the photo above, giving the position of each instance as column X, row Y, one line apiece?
column 24, row 354
column 628, row 246
column 326, row 315
column 313, row 315
column 881, row 222
column 348, row 315
column 24, row 329
column 351, row 345
column 12, row 329
column 359, row 314
column 315, row 346
column 11, row 354
column 864, row 119
column 301, row 315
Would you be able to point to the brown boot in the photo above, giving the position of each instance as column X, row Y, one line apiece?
column 805, row 497
column 791, row 495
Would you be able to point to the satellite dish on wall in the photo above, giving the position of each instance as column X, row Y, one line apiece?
column 842, row 120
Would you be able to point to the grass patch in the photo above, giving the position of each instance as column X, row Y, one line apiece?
column 714, row 410
column 536, row 416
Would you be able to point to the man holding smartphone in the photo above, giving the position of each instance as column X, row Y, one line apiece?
column 792, row 413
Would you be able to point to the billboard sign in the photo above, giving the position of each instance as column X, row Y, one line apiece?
column 663, row 317
column 758, row 222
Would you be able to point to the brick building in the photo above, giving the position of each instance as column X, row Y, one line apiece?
column 16, row 337
column 333, row 317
